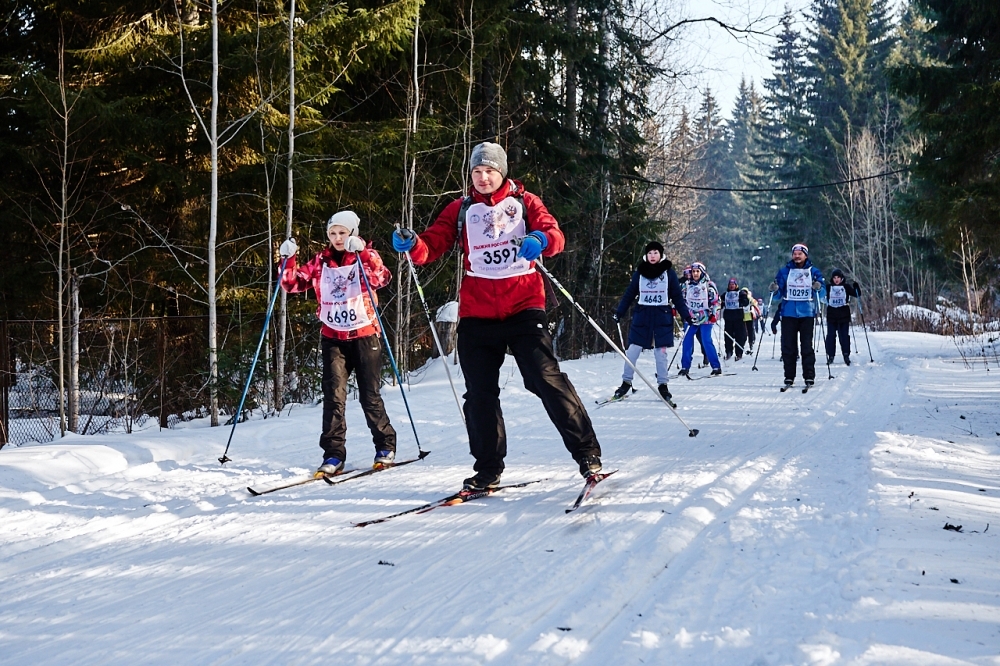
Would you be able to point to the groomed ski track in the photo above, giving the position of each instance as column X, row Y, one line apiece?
column 782, row 534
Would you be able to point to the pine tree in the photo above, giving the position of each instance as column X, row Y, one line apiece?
column 847, row 47
column 785, row 121
column 954, row 94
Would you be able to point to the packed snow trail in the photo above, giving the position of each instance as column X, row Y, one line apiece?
column 795, row 529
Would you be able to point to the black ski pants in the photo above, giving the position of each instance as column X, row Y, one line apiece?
column 736, row 332
column 751, row 326
column 363, row 357
column 842, row 330
column 796, row 332
column 482, row 346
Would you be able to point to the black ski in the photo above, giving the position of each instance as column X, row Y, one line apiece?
column 317, row 476
column 806, row 389
column 335, row 479
column 601, row 403
column 724, row 374
column 588, row 487
column 785, row 387
column 460, row 497
column 376, row 469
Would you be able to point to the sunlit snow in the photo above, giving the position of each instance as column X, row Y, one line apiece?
column 795, row 529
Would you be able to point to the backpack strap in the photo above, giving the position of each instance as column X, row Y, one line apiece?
column 462, row 213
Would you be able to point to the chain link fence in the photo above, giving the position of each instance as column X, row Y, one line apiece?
column 139, row 372
column 133, row 373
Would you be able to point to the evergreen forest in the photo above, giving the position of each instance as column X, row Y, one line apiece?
column 155, row 154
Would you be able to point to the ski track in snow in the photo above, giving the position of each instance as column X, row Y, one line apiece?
column 795, row 529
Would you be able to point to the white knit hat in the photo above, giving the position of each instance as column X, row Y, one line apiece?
column 347, row 219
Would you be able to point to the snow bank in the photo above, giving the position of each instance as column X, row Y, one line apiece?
column 795, row 529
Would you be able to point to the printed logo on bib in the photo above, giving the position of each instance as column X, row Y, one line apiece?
column 838, row 297
column 491, row 232
column 733, row 300
column 697, row 297
column 799, row 285
column 653, row 291
column 342, row 301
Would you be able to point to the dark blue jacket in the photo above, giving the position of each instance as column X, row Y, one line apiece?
column 653, row 326
column 787, row 308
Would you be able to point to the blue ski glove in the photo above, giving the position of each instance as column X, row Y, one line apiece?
column 403, row 240
column 615, row 317
column 532, row 245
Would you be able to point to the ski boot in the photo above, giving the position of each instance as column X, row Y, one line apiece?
column 684, row 373
column 590, row 466
column 662, row 388
column 622, row 391
column 847, row 359
column 330, row 467
column 383, row 459
column 482, row 481
column 716, row 372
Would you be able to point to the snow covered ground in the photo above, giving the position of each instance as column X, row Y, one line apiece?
column 795, row 529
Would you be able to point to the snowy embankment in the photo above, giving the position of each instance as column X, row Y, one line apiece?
column 795, row 529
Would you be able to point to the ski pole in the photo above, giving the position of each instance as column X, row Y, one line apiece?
column 736, row 344
column 253, row 366
column 621, row 337
column 754, row 368
column 865, row 328
column 569, row 297
column 829, row 373
column 437, row 340
column 674, row 357
column 388, row 349
column 721, row 345
column 854, row 335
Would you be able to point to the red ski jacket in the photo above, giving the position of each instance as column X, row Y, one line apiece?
column 298, row 279
column 483, row 297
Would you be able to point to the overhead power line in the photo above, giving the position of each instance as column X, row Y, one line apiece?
column 764, row 189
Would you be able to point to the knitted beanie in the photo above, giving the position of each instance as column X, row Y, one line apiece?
column 654, row 245
column 491, row 155
column 347, row 219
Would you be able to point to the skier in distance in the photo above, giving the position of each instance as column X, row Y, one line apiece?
column 838, row 316
column 795, row 287
column 702, row 300
column 654, row 286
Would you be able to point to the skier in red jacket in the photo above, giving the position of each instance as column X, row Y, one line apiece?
column 501, row 306
column 349, row 335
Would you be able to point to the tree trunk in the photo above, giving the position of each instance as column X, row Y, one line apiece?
column 74, row 353
column 213, row 224
column 63, row 230
column 489, row 121
column 571, row 29
column 279, row 356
